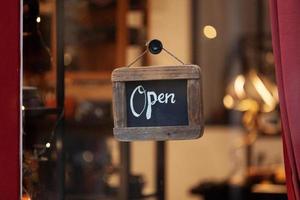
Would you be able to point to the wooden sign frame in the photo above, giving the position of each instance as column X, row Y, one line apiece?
column 191, row 73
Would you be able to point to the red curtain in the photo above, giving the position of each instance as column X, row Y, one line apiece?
column 285, row 22
column 9, row 100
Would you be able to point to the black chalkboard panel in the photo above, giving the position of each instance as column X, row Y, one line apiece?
column 156, row 103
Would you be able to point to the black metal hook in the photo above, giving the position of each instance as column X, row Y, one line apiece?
column 155, row 46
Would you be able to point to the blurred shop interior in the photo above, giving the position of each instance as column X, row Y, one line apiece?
column 70, row 48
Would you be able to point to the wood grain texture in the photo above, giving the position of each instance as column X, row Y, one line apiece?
column 156, row 73
column 195, row 103
column 192, row 73
column 158, row 133
column 119, row 105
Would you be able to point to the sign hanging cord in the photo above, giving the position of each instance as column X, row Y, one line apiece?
column 155, row 47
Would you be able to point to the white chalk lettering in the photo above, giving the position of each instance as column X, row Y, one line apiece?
column 161, row 97
column 141, row 90
column 172, row 96
column 150, row 99
column 150, row 103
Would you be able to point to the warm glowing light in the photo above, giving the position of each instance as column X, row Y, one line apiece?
column 264, row 93
column 26, row 197
column 239, row 86
column 87, row 156
column 210, row 32
column 228, row 101
column 269, row 58
column 275, row 93
column 59, row 144
column 23, row 107
column 247, row 105
column 67, row 59
column 48, row 145
column 38, row 19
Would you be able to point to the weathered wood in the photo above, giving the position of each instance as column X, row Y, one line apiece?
column 195, row 103
column 158, row 133
column 119, row 104
column 191, row 73
column 156, row 73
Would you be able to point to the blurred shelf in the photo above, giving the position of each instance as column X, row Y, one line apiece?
column 89, row 197
column 264, row 135
column 41, row 111
column 269, row 188
column 103, row 126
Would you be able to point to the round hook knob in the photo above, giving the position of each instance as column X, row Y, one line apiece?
column 155, row 46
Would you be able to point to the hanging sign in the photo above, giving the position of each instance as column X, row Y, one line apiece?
column 157, row 103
